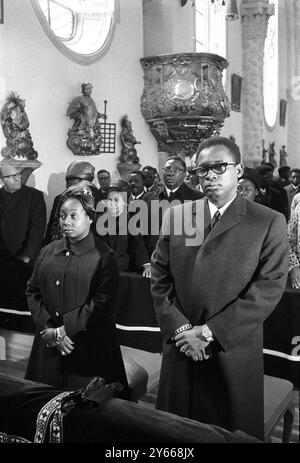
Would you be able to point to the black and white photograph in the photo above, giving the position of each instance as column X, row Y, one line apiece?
column 149, row 225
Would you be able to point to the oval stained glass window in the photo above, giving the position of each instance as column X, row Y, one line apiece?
column 81, row 29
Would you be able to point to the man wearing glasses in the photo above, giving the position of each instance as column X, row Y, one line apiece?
column 104, row 180
column 174, row 189
column 211, row 298
column 22, row 217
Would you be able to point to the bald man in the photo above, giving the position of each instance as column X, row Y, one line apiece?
column 22, row 217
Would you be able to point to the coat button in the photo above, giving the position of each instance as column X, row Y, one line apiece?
column 57, row 282
column 57, row 314
column 67, row 253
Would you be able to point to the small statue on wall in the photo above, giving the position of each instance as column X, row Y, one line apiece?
column 15, row 123
column 272, row 154
column 264, row 152
column 128, row 141
column 84, row 136
column 282, row 156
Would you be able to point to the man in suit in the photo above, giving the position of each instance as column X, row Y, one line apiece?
column 104, row 181
column 149, row 178
column 212, row 292
column 136, row 185
column 22, row 217
column 174, row 189
column 283, row 177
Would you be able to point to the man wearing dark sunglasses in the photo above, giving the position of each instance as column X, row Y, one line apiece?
column 211, row 298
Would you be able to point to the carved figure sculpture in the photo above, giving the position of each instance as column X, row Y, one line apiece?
column 282, row 156
column 84, row 136
column 264, row 153
column 128, row 141
column 15, row 123
column 272, row 154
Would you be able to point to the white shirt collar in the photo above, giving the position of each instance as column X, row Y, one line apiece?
column 213, row 209
column 138, row 196
column 171, row 191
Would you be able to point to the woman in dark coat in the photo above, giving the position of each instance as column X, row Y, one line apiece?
column 71, row 296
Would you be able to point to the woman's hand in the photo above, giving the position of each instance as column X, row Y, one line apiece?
column 147, row 271
column 295, row 277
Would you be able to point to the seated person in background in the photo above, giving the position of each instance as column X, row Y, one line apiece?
column 22, row 217
column 104, row 180
column 249, row 184
column 112, row 224
column 76, row 172
column 294, row 243
column 271, row 194
column 71, row 296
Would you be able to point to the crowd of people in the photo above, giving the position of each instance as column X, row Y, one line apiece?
column 210, row 297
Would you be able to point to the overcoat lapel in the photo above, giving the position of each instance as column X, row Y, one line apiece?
column 230, row 218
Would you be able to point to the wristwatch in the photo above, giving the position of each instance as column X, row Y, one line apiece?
column 206, row 334
column 58, row 337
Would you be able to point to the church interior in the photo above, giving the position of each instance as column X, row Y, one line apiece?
column 166, row 74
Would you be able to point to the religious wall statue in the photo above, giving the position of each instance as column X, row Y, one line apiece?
column 282, row 156
column 272, row 154
column 264, row 153
column 84, row 136
column 128, row 141
column 15, row 123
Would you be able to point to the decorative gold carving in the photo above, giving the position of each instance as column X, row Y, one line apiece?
column 183, row 99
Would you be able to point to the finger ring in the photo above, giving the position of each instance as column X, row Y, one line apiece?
column 182, row 349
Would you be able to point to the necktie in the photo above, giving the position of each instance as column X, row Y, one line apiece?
column 215, row 219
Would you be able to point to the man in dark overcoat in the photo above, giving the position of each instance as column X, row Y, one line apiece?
column 213, row 285
column 22, row 217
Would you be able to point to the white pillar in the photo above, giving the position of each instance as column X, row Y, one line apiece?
column 254, row 17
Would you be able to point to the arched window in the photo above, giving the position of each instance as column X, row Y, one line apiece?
column 81, row 29
column 210, row 27
column 270, row 88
